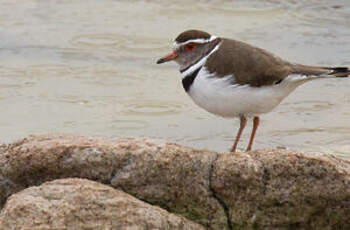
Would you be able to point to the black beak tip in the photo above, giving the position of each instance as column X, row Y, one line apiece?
column 160, row 61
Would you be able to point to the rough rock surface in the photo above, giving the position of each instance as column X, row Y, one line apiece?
column 173, row 177
column 84, row 204
column 262, row 189
column 275, row 189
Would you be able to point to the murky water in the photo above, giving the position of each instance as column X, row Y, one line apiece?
column 88, row 67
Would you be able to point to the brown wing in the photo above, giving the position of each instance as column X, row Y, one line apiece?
column 249, row 64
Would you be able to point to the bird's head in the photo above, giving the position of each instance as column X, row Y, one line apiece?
column 190, row 47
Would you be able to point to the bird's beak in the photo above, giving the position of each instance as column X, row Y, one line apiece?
column 167, row 58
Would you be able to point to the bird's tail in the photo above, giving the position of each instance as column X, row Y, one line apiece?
column 339, row 71
column 318, row 71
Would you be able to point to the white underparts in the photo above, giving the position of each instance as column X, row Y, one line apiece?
column 219, row 96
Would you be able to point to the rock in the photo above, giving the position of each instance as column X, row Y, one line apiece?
column 274, row 189
column 173, row 177
column 83, row 204
column 265, row 189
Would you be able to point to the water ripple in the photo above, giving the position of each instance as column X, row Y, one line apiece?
column 152, row 108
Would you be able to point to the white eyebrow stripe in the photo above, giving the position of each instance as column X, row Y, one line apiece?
column 199, row 40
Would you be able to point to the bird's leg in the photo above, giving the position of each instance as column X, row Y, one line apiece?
column 255, row 127
column 243, row 122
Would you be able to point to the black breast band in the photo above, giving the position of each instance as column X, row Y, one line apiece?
column 188, row 80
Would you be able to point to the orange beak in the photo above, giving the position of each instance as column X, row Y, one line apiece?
column 167, row 58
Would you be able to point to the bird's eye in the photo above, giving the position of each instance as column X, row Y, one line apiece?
column 190, row 46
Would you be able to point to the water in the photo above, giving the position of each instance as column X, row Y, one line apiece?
column 88, row 67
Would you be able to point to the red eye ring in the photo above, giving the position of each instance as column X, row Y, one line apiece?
column 190, row 46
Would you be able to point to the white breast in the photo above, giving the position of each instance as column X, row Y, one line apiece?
column 219, row 96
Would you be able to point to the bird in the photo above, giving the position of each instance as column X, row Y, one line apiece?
column 234, row 79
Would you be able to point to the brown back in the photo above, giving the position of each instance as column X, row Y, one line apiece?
column 249, row 64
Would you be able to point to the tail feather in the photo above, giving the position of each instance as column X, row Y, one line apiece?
column 339, row 71
column 321, row 71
